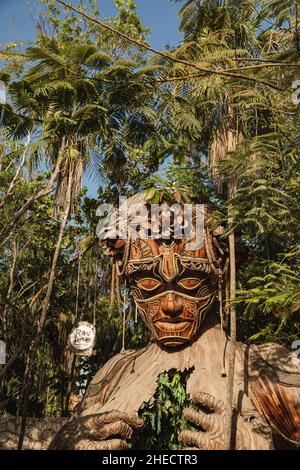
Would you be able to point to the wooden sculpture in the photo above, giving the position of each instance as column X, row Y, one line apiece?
column 176, row 291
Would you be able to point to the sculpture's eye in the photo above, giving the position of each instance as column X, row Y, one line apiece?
column 148, row 283
column 190, row 283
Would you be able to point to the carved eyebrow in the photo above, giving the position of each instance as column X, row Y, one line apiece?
column 140, row 267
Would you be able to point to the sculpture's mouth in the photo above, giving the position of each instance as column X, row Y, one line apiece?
column 172, row 327
column 169, row 324
column 173, row 319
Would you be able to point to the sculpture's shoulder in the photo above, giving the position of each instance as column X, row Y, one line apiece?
column 280, row 361
column 108, row 377
column 274, row 373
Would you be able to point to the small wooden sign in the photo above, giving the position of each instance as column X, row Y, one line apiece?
column 82, row 339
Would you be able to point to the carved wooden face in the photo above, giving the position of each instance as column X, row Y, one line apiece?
column 172, row 288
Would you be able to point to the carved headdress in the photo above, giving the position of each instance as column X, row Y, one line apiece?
column 172, row 261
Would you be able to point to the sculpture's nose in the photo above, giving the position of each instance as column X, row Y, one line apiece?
column 171, row 304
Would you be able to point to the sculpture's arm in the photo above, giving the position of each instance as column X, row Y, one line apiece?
column 103, row 431
column 280, row 405
column 275, row 388
column 102, row 387
column 92, row 428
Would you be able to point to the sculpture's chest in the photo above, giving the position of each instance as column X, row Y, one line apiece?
column 129, row 380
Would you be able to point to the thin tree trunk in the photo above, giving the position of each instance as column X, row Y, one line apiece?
column 24, row 342
column 70, row 384
column 59, row 273
column 232, row 350
column 228, row 425
column 15, row 178
column 225, row 141
column 28, row 204
column 14, row 357
column 11, row 283
column 43, row 316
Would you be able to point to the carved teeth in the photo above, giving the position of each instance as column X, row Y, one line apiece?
column 172, row 327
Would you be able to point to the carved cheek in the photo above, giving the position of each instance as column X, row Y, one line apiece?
column 149, row 309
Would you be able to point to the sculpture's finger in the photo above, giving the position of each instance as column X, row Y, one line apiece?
column 209, row 401
column 201, row 440
column 102, row 419
column 117, row 428
column 192, row 438
column 111, row 444
column 133, row 420
column 208, row 422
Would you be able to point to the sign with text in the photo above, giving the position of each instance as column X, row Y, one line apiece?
column 82, row 339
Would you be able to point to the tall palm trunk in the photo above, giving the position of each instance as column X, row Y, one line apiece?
column 45, row 306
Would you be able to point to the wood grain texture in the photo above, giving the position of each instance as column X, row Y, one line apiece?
column 275, row 387
column 266, row 381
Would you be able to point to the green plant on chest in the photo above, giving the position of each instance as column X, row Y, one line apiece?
column 162, row 414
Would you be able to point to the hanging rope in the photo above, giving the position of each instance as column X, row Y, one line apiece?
column 118, row 270
column 118, row 293
column 77, row 289
column 95, row 295
column 74, row 358
column 123, row 265
column 112, row 286
column 220, row 295
column 123, row 351
column 136, row 313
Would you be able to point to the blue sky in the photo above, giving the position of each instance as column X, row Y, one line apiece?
column 16, row 24
column 159, row 15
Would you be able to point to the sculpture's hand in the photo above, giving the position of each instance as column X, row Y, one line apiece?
column 211, row 424
column 104, row 431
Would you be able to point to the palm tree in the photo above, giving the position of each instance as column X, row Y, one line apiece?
column 219, row 118
column 78, row 104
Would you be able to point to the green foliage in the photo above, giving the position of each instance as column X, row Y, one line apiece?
column 69, row 27
column 135, row 123
column 247, row 37
column 162, row 414
column 271, row 300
